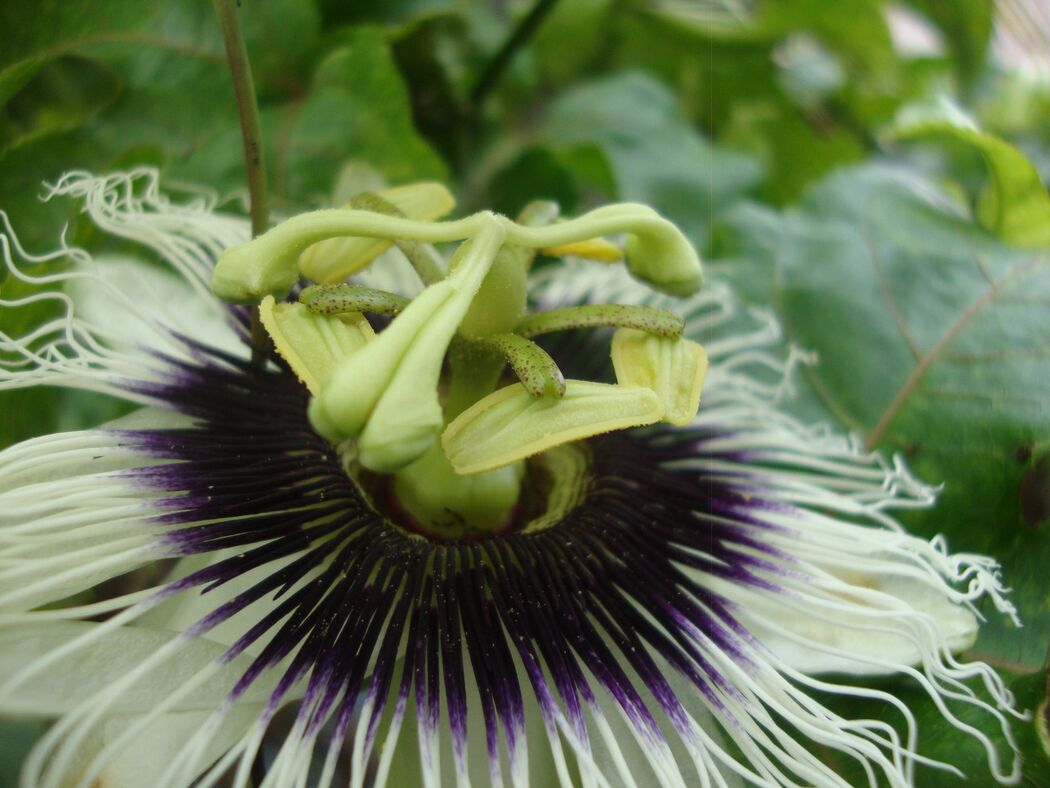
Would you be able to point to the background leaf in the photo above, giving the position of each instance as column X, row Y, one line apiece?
column 653, row 155
column 357, row 108
column 968, row 28
column 35, row 33
column 934, row 343
column 1014, row 204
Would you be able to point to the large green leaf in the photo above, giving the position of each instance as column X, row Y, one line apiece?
column 176, row 95
column 709, row 73
column 655, row 156
column 61, row 95
column 18, row 736
column 794, row 150
column 571, row 38
column 933, row 342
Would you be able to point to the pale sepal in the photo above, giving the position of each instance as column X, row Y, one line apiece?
column 153, row 749
column 79, row 675
column 139, row 305
column 860, row 638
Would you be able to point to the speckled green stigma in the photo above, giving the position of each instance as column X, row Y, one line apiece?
column 426, row 400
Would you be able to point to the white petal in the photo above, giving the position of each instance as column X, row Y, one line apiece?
column 151, row 418
column 157, row 746
column 836, row 644
column 79, row 675
column 152, row 302
column 70, row 516
column 183, row 610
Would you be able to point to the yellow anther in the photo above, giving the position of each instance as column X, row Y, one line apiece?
column 313, row 344
column 673, row 368
column 597, row 249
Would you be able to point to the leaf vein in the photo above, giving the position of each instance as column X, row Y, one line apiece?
column 1015, row 272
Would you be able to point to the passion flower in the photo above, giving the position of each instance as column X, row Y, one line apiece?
column 456, row 524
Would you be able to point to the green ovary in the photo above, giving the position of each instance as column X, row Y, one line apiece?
column 446, row 505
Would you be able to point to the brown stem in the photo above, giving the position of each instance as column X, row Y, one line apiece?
column 251, row 133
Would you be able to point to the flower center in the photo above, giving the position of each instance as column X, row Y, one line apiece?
column 528, row 497
column 451, row 398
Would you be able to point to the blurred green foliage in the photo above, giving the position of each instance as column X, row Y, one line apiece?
column 791, row 139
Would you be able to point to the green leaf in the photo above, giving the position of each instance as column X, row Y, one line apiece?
column 35, row 33
column 708, row 72
column 433, row 55
column 391, row 12
column 1033, row 693
column 176, row 99
column 18, row 737
column 933, row 342
column 1014, row 204
column 968, row 28
column 857, row 29
column 571, row 38
column 655, row 156
column 537, row 173
column 179, row 96
column 181, row 42
column 62, row 95
column 795, row 150
column 358, row 108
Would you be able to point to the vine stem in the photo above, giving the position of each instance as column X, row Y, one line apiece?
column 496, row 67
column 251, row 134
